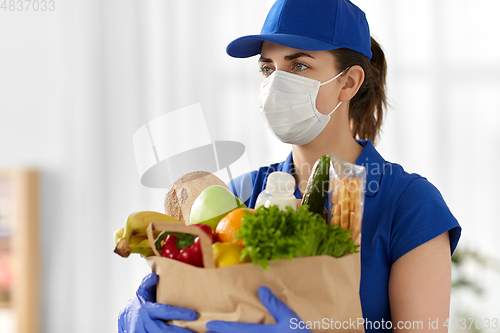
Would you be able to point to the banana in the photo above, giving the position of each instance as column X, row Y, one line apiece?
column 138, row 242
column 144, row 252
column 136, row 225
column 140, row 245
column 118, row 234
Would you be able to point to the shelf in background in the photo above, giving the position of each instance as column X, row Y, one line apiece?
column 19, row 231
column 5, row 233
column 5, row 243
column 5, row 305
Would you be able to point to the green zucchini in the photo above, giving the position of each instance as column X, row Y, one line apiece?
column 317, row 185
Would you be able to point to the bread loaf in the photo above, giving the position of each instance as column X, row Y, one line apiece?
column 185, row 190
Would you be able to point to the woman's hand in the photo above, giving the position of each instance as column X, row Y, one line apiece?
column 141, row 314
column 286, row 319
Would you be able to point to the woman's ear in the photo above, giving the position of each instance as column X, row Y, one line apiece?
column 353, row 79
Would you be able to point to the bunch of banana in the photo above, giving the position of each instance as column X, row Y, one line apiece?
column 133, row 238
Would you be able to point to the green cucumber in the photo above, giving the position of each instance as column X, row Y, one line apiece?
column 317, row 185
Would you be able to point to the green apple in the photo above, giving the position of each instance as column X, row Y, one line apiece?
column 212, row 204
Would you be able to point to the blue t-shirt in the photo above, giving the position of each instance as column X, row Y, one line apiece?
column 401, row 212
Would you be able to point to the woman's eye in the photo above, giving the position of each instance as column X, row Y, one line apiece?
column 265, row 70
column 299, row 67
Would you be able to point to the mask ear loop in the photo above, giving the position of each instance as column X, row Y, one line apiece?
column 336, row 77
column 334, row 109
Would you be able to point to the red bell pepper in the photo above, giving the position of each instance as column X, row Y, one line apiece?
column 207, row 229
column 181, row 246
column 170, row 249
column 192, row 254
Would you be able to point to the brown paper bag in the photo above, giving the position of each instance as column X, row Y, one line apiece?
column 322, row 290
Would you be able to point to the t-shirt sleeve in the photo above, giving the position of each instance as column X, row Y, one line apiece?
column 421, row 214
column 242, row 186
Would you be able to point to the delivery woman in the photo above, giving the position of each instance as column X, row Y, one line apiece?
column 323, row 92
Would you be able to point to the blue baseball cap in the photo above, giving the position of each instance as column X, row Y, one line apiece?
column 312, row 25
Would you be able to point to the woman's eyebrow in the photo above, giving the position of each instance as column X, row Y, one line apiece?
column 289, row 57
column 262, row 59
column 298, row 55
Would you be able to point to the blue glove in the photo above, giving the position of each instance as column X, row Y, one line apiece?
column 286, row 319
column 141, row 314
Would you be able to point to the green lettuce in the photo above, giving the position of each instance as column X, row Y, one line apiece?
column 271, row 234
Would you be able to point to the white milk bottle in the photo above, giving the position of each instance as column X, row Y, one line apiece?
column 280, row 187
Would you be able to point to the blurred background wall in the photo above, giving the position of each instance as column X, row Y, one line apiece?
column 78, row 81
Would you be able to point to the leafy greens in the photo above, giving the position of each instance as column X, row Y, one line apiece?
column 271, row 234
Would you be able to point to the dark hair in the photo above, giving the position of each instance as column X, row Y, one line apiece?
column 366, row 108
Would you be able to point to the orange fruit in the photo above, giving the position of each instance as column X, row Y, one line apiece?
column 230, row 224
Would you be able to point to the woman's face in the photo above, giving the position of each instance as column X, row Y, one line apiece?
column 317, row 65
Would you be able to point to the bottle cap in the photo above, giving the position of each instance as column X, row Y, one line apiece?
column 280, row 184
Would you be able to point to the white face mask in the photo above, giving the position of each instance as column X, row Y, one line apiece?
column 288, row 107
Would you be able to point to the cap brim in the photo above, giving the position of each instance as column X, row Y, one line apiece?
column 248, row 46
